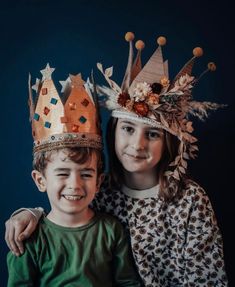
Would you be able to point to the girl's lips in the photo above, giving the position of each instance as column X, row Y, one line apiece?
column 136, row 156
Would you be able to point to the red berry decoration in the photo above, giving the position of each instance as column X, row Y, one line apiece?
column 141, row 108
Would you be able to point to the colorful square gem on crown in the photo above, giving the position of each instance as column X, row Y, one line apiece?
column 56, row 124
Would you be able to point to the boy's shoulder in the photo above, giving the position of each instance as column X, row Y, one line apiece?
column 108, row 218
column 37, row 233
column 109, row 221
column 35, row 243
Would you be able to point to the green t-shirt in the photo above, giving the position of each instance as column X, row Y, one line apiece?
column 96, row 254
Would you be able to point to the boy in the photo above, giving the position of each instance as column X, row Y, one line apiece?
column 73, row 245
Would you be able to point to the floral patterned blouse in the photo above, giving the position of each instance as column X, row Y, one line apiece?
column 174, row 244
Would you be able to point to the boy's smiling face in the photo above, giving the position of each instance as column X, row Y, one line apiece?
column 70, row 187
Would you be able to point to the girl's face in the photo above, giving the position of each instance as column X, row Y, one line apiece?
column 138, row 146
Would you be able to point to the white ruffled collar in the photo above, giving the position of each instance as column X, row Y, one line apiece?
column 141, row 194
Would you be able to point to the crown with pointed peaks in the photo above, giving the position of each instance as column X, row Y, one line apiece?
column 69, row 120
column 147, row 95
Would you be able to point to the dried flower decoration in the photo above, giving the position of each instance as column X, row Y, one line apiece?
column 148, row 94
column 157, row 88
column 123, row 98
column 141, row 91
column 141, row 108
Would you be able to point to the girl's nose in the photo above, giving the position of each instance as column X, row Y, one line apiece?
column 139, row 141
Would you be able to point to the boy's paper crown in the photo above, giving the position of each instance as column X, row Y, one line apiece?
column 67, row 121
column 148, row 96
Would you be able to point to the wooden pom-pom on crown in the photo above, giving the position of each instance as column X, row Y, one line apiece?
column 139, row 45
column 161, row 41
column 211, row 66
column 129, row 36
column 197, row 52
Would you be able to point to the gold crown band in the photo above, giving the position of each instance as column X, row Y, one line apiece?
column 68, row 140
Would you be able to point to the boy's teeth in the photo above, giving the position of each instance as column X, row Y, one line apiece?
column 73, row 197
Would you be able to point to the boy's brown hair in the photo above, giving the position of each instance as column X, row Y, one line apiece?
column 78, row 155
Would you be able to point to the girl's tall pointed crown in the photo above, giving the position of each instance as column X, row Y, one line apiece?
column 147, row 95
column 68, row 120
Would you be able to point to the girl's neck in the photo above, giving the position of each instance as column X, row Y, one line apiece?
column 141, row 180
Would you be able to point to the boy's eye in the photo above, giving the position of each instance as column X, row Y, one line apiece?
column 86, row 175
column 62, row 174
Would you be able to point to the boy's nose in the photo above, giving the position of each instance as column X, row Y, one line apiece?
column 75, row 182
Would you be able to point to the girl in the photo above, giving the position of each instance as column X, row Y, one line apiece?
column 173, row 232
column 174, row 235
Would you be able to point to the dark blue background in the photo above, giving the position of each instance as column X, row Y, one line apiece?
column 72, row 35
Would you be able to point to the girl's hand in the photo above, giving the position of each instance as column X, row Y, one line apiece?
column 18, row 228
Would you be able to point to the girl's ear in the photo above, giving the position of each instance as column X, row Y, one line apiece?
column 100, row 179
column 39, row 180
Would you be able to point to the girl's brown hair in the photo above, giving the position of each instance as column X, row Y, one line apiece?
column 169, row 189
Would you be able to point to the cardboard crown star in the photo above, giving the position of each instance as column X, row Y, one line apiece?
column 147, row 95
column 69, row 120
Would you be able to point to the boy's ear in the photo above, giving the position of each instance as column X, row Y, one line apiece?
column 39, row 180
column 100, row 179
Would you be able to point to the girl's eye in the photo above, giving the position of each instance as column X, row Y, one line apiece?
column 128, row 129
column 152, row 135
